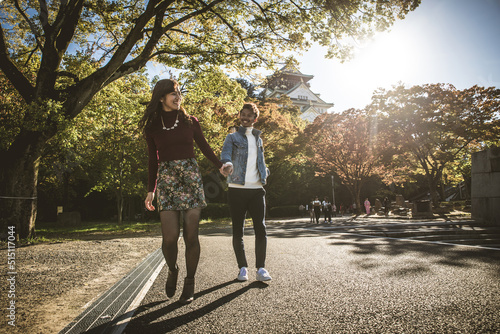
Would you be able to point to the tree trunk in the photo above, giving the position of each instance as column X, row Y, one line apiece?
column 358, row 203
column 119, row 205
column 442, row 189
column 433, row 192
column 355, row 190
column 18, row 189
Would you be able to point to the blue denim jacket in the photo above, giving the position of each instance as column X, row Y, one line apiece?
column 235, row 150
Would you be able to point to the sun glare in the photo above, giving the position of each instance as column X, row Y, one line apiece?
column 401, row 55
column 387, row 60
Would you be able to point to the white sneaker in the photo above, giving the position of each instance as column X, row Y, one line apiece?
column 263, row 275
column 243, row 275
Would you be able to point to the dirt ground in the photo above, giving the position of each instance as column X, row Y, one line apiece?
column 55, row 282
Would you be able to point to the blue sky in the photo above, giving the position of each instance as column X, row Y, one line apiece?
column 442, row 41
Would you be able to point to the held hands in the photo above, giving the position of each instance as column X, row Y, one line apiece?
column 226, row 169
column 149, row 200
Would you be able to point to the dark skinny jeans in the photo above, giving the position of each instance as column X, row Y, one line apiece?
column 252, row 200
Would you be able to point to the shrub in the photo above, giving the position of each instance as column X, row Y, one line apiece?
column 284, row 211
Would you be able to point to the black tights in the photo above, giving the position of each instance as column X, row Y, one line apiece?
column 170, row 229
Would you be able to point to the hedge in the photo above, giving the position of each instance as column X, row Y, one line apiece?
column 221, row 210
column 216, row 210
column 284, row 211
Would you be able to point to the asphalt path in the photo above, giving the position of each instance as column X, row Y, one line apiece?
column 326, row 281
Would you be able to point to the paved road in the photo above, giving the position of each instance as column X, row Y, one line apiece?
column 328, row 281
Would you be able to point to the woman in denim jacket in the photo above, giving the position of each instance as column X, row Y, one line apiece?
column 244, row 164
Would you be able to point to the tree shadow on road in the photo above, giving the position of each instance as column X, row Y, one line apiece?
column 443, row 254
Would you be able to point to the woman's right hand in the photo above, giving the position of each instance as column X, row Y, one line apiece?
column 149, row 201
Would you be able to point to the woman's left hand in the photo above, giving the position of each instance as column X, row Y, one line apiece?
column 226, row 170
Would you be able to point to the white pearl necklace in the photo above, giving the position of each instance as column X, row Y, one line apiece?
column 173, row 126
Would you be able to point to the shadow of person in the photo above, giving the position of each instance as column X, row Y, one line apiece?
column 148, row 321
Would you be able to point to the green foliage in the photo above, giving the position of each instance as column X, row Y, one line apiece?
column 42, row 115
column 215, row 211
column 251, row 89
column 103, row 145
column 284, row 211
column 12, row 109
column 215, row 99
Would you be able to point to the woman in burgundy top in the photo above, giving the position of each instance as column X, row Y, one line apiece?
column 174, row 174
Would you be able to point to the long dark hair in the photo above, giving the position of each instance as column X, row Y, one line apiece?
column 153, row 109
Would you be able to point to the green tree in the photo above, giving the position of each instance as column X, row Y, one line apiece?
column 117, row 150
column 47, row 48
column 431, row 126
column 103, row 144
column 250, row 88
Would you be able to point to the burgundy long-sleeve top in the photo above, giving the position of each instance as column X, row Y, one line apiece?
column 175, row 144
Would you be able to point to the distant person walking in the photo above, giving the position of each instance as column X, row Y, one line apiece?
column 173, row 171
column 317, row 209
column 327, row 208
column 244, row 164
column 311, row 211
column 387, row 206
column 367, row 206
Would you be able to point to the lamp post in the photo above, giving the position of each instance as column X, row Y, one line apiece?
column 333, row 192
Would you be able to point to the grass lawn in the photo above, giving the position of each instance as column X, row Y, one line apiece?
column 52, row 232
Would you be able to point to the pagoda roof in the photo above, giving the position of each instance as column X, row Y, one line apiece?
column 317, row 100
column 294, row 71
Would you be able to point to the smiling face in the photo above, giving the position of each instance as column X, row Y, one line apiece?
column 247, row 117
column 171, row 101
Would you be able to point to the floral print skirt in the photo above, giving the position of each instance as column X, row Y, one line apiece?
column 179, row 185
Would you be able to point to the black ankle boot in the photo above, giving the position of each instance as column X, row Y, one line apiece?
column 187, row 295
column 171, row 284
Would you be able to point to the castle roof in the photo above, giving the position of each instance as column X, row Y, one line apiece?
column 291, row 82
column 292, row 71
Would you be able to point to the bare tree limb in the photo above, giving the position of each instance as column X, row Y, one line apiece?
column 30, row 23
column 15, row 76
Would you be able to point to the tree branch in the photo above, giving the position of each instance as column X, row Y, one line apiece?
column 30, row 23
column 15, row 76
column 44, row 13
column 66, row 27
column 269, row 21
column 69, row 75
column 157, row 32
